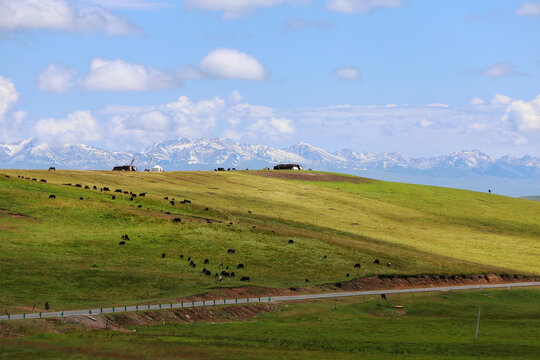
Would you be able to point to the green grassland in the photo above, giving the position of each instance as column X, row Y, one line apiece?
column 65, row 250
column 430, row 326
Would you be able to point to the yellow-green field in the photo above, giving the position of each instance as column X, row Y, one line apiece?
column 66, row 250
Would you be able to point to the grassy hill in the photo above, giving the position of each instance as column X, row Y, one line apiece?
column 535, row 198
column 66, row 250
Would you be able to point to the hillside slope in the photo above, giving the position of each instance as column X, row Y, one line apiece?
column 66, row 250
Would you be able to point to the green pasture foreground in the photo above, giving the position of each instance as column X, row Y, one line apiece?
column 66, row 250
column 429, row 326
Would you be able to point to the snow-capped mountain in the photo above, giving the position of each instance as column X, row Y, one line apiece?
column 207, row 154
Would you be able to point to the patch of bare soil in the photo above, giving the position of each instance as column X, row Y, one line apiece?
column 309, row 176
column 383, row 282
column 4, row 211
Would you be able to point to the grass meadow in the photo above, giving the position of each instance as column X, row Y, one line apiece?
column 66, row 250
column 428, row 326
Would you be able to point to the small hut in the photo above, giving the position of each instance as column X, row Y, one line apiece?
column 157, row 168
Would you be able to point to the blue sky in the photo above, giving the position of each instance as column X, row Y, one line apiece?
column 419, row 77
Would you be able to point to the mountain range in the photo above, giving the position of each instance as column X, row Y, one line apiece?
column 207, row 154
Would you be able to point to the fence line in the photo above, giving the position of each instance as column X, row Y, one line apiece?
column 205, row 303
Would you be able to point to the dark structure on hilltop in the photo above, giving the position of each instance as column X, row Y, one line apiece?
column 287, row 167
column 125, row 168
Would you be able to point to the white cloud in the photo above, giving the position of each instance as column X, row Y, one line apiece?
column 232, row 64
column 439, row 105
column 8, row 95
column 361, row 6
column 56, row 78
column 426, row 123
column 235, row 97
column 524, row 115
column 498, row 70
column 151, row 121
column 118, row 75
column 499, row 99
column 19, row 116
column 128, row 4
column 477, row 101
column 232, row 8
column 529, row 8
column 79, row 126
column 348, row 73
column 60, row 15
column 273, row 128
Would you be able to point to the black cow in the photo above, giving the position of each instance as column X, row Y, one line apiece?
column 186, row 201
column 94, row 187
column 122, row 242
column 126, row 192
column 357, row 265
column 307, row 280
column 163, row 256
column 133, row 195
column 376, row 261
column 181, row 256
column 206, row 261
column 383, row 296
column 249, row 211
column 291, row 241
column 206, row 209
column 118, row 190
column 347, row 275
column 142, row 194
column 131, row 199
column 106, row 189
column 85, row 186
column 232, row 274
column 324, row 256
column 171, row 202
column 388, row 264
column 78, row 185
column 139, row 206
column 114, row 197
column 225, row 273
column 240, row 266
column 52, row 196
column 125, row 237
column 34, row 179
column 207, row 273
column 43, row 180
column 166, row 198
column 80, row 198
column 176, row 220
column 188, row 259
column 231, row 251
column 52, row 168
column 47, row 305
column 244, row 278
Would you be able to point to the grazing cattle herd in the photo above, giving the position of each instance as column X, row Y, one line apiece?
column 219, row 275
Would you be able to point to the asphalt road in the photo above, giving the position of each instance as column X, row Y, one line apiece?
column 273, row 299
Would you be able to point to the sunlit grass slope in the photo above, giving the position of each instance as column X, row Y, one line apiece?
column 66, row 251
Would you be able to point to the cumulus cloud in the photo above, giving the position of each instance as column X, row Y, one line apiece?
column 56, row 78
column 61, row 15
column 77, row 127
column 477, row 101
column 232, row 64
column 127, row 4
column 8, row 95
column 529, row 8
column 348, row 73
column 499, row 99
column 524, row 115
column 361, row 6
column 119, row 75
column 151, row 121
column 497, row 70
column 232, row 9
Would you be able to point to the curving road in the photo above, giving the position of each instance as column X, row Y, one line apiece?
column 256, row 300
